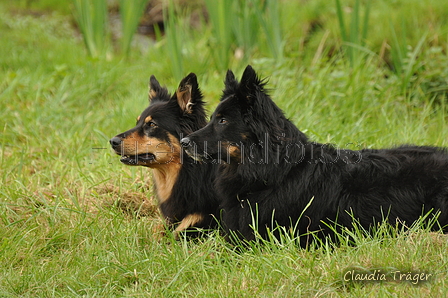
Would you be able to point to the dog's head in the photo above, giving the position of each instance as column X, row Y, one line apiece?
column 243, row 126
column 154, row 141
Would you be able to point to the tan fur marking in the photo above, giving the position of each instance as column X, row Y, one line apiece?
column 135, row 144
column 167, row 154
column 152, row 94
column 165, row 174
column 234, row 151
column 148, row 119
column 138, row 118
column 188, row 221
column 166, row 165
column 165, row 178
column 183, row 95
column 164, row 152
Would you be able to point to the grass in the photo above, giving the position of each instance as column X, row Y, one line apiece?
column 92, row 19
column 236, row 28
column 221, row 19
column 130, row 13
column 174, row 40
column 93, row 22
column 75, row 222
column 355, row 40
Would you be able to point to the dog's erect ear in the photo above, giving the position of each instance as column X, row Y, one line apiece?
column 230, row 78
column 157, row 92
column 154, row 88
column 188, row 93
column 249, row 81
column 230, row 84
column 251, row 90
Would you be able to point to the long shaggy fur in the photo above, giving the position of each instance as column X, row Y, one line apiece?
column 270, row 171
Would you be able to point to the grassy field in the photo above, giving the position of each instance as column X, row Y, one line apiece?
column 75, row 222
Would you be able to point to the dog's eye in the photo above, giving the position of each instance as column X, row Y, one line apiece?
column 151, row 124
column 222, row 121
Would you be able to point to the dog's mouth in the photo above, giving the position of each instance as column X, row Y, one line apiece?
column 140, row 159
column 197, row 157
column 194, row 154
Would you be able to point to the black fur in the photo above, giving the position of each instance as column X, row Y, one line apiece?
column 193, row 191
column 271, row 168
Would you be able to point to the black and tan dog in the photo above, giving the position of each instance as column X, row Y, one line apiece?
column 271, row 172
column 184, row 187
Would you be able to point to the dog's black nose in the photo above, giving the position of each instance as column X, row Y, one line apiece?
column 185, row 142
column 115, row 141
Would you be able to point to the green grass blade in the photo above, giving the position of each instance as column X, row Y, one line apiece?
column 173, row 40
column 92, row 20
column 397, row 52
column 410, row 66
column 221, row 19
column 130, row 13
column 354, row 24
column 365, row 26
column 357, row 35
column 340, row 15
column 269, row 18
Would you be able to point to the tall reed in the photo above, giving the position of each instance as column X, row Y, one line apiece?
column 221, row 18
column 353, row 41
column 269, row 18
column 92, row 19
column 398, row 48
column 174, row 42
column 404, row 58
column 245, row 25
column 238, row 24
column 130, row 13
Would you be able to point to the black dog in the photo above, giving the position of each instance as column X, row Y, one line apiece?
column 270, row 171
column 184, row 187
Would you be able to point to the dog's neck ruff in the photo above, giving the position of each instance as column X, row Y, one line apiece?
column 165, row 178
